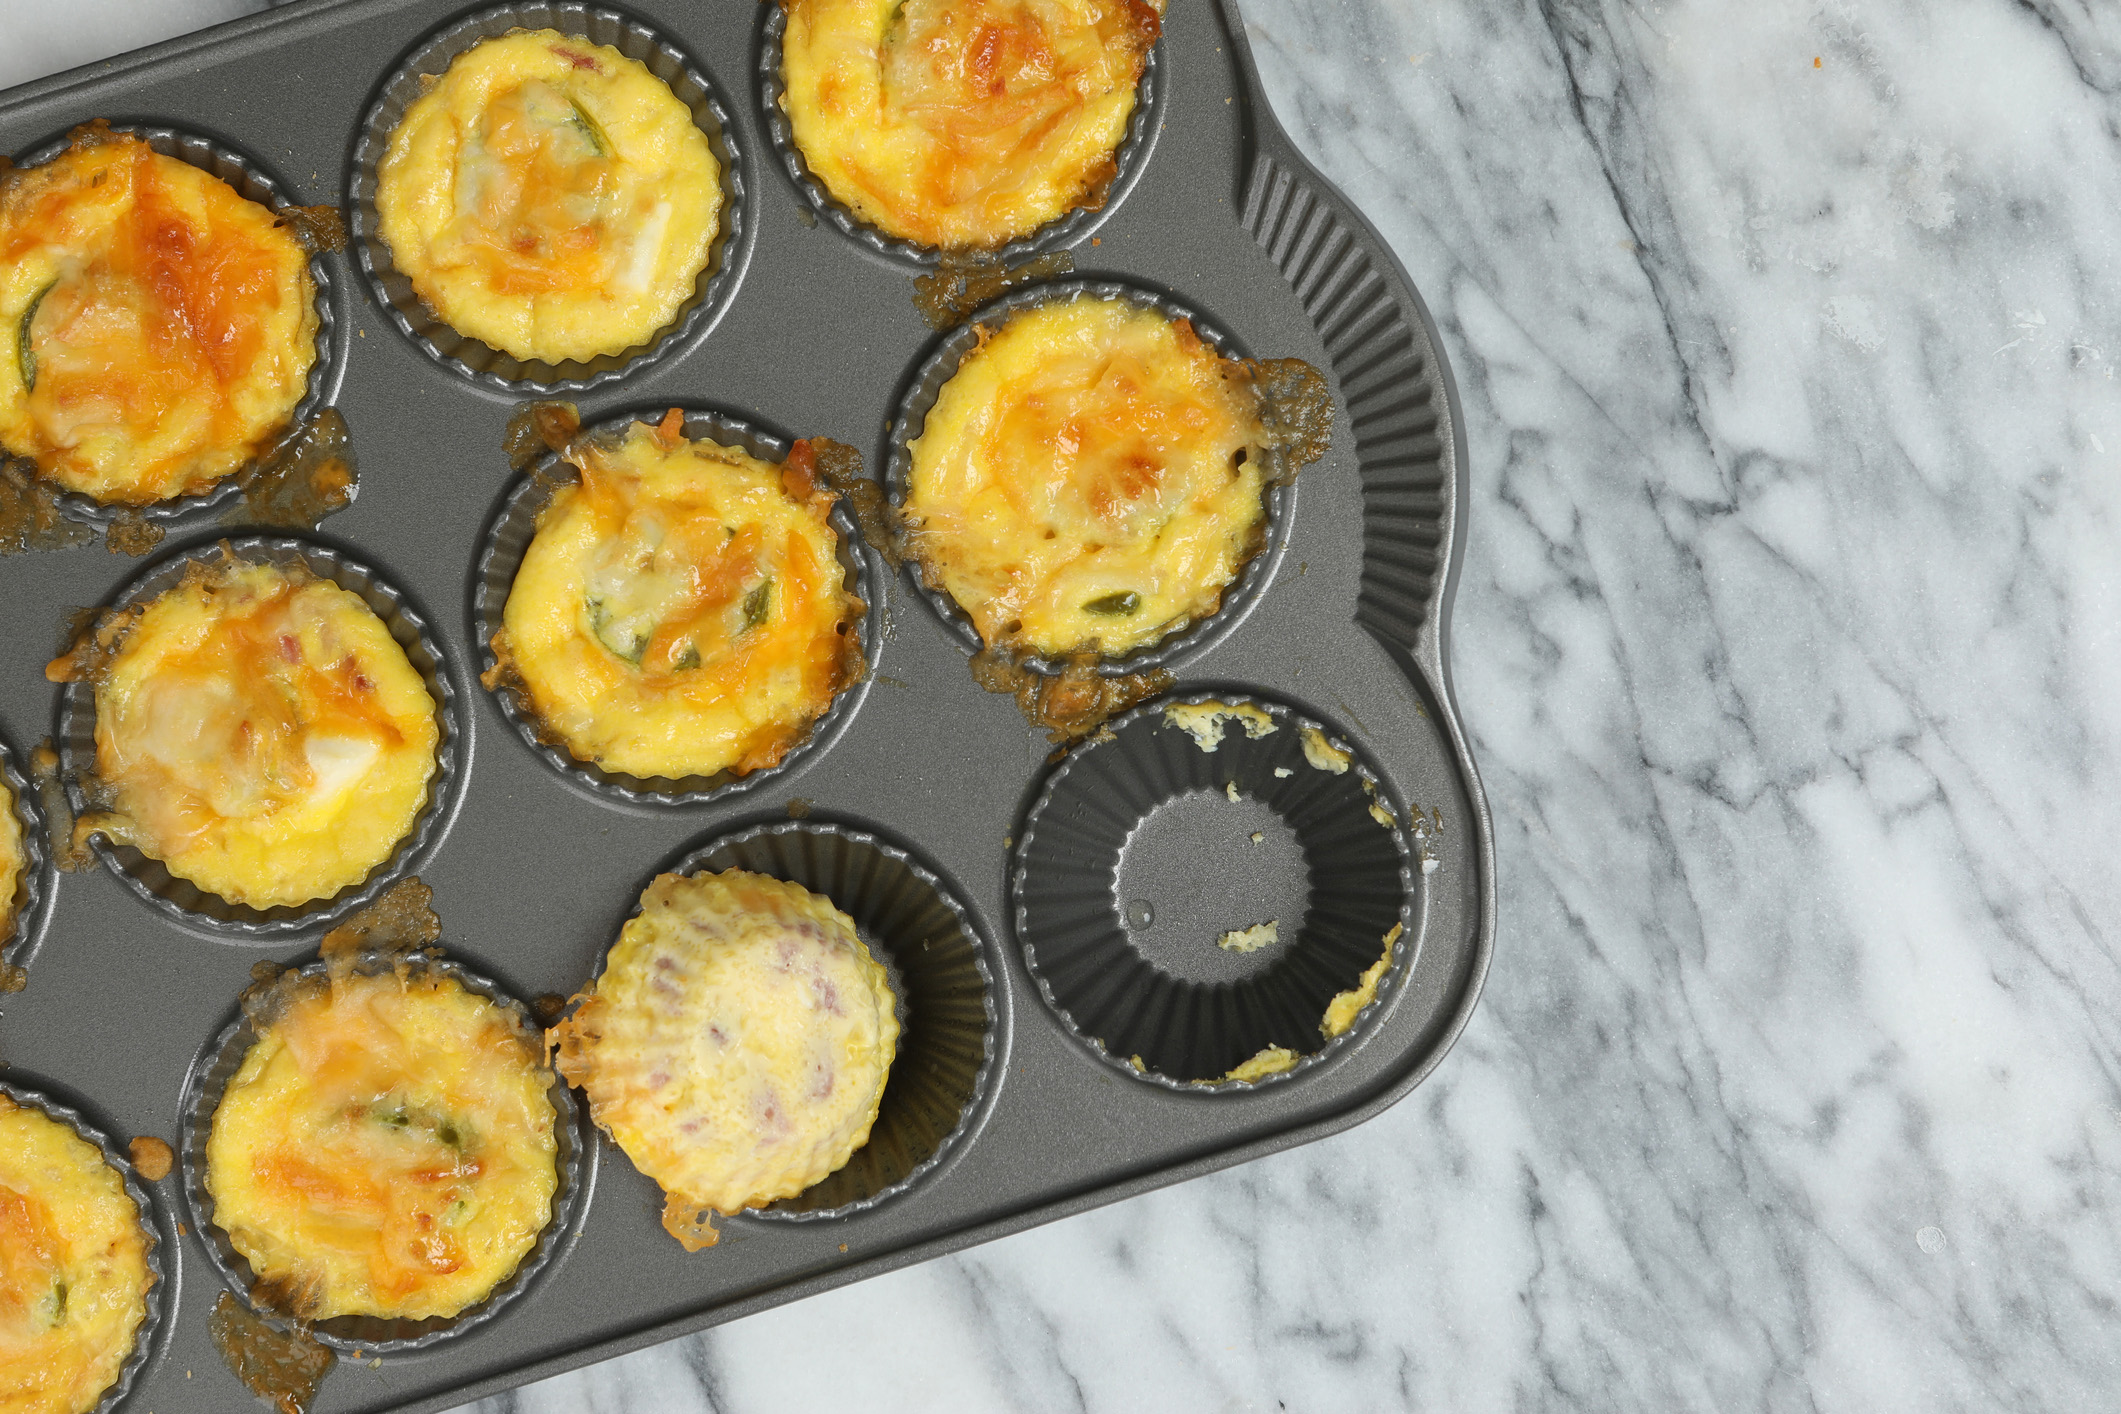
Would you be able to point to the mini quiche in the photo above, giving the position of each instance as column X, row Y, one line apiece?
column 1091, row 478
column 259, row 731
column 964, row 124
column 682, row 610
column 550, row 197
column 73, row 1267
column 386, row 1148
column 156, row 328
column 736, row 1045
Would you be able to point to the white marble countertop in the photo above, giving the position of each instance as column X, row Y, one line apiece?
column 1786, row 334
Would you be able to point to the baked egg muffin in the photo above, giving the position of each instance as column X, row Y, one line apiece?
column 158, row 327
column 964, row 124
column 1090, row 479
column 73, row 1267
column 736, row 1045
column 551, row 197
column 682, row 609
column 386, row 1148
column 258, row 730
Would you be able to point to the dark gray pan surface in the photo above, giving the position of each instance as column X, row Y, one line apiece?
column 533, row 873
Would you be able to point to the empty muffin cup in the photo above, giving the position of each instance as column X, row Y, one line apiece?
column 218, row 1066
column 1217, row 893
column 515, row 525
column 493, row 368
column 185, row 903
column 1064, row 231
column 249, row 179
column 912, row 923
column 151, row 1224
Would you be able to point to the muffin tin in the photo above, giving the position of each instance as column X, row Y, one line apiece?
column 922, row 805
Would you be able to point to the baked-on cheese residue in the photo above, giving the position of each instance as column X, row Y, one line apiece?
column 736, row 1045
column 1344, row 1008
column 1252, row 939
column 386, row 1148
column 1271, row 1061
column 260, row 732
column 73, row 1267
column 682, row 610
column 156, row 328
column 1323, row 754
column 964, row 123
column 1088, row 478
column 13, row 860
column 551, row 197
column 1205, row 722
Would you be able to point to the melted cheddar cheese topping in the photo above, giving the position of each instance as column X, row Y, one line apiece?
column 1089, row 478
column 551, row 197
column 386, row 1148
column 156, row 328
column 13, row 860
column 682, row 610
column 263, row 735
column 73, row 1267
column 963, row 123
column 736, row 1045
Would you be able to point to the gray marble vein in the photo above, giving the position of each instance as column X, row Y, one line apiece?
column 1787, row 337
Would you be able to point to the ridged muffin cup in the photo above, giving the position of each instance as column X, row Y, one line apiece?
column 185, row 903
column 1142, row 820
column 507, row 541
column 1069, row 229
column 941, row 365
column 474, row 359
column 23, row 921
column 249, row 178
column 151, row 1223
column 910, row 920
column 218, row 1065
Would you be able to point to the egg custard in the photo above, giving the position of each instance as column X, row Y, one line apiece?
column 386, row 1148
column 964, row 124
column 682, row 610
column 736, row 1045
column 1091, row 478
column 258, row 730
column 550, row 197
column 73, row 1267
column 156, row 328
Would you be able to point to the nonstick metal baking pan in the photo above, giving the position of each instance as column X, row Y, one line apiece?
column 807, row 326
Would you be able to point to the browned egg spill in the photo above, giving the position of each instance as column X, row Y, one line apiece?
column 29, row 514
column 131, row 533
column 152, row 1158
column 961, row 283
column 1075, row 702
column 282, row 1368
column 306, row 478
